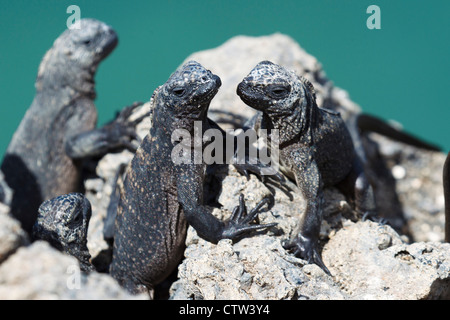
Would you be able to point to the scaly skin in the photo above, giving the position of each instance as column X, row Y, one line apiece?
column 63, row 222
column 316, row 149
column 160, row 198
column 44, row 157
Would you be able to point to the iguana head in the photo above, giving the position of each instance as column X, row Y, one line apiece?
column 63, row 222
column 274, row 90
column 189, row 91
column 75, row 55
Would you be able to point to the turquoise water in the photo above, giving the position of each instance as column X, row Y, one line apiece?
column 399, row 72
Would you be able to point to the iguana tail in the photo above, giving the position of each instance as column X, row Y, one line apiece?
column 447, row 197
column 369, row 123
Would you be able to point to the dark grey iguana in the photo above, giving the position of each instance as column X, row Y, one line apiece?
column 315, row 147
column 43, row 159
column 159, row 198
column 360, row 125
column 63, row 221
column 377, row 171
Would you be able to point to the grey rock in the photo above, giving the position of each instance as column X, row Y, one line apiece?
column 418, row 185
column 256, row 267
column 370, row 261
column 41, row 272
column 12, row 236
column 367, row 260
column 241, row 271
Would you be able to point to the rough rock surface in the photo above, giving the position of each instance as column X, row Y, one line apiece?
column 41, row 272
column 367, row 261
column 372, row 262
column 255, row 267
column 12, row 236
column 418, row 176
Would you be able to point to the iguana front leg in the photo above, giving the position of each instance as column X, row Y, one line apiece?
column 190, row 195
column 115, row 135
column 241, row 160
column 308, row 179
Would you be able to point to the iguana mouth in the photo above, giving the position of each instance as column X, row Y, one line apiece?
column 209, row 89
column 110, row 44
column 244, row 91
column 49, row 235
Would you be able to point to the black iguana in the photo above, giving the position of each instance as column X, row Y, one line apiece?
column 160, row 197
column 63, row 221
column 315, row 147
column 43, row 159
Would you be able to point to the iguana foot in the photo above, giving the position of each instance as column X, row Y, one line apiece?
column 373, row 216
column 117, row 134
column 263, row 171
column 307, row 249
column 122, row 131
column 125, row 114
column 239, row 222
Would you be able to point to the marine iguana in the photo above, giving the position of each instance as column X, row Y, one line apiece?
column 43, row 159
column 159, row 197
column 315, row 147
column 376, row 168
column 63, row 221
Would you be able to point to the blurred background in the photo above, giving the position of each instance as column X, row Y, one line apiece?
column 399, row 72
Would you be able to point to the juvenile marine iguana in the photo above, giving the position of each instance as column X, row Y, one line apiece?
column 63, row 221
column 376, row 168
column 315, row 147
column 159, row 198
column 43, row 159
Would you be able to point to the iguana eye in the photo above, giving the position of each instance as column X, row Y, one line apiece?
column 178, row 91
column 279, row 92
column 77, row 219
column 86, row 42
